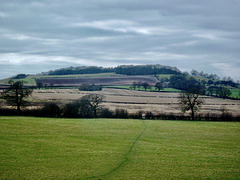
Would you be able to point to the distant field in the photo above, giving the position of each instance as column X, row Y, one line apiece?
column 100, row 80
column 30, row 80
column 82, row 75
column 44, row 148
column 152, row 89
column 134, row 101
column 235, row 93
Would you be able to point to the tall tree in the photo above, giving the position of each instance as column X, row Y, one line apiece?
column 16, row 93
column 190, row 101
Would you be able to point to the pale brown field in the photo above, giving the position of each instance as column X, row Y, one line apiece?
column 134, row 101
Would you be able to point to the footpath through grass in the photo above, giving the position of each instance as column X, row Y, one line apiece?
column 48, row 148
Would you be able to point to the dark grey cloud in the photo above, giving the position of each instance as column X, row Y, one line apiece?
column 37, row 36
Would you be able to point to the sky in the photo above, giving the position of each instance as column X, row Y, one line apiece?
column 41, row 35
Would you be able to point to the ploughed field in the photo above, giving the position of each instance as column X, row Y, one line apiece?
column 104, row 80
column 48, row 148
column 134, row 101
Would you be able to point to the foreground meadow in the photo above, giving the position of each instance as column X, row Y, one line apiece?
column 47, row 148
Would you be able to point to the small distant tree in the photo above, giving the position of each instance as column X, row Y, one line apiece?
column 39, row 85
column 145, row 85
column 159, row 86
column 134, row 85
column 190, row 101
column 139, row 84
column 15, row 94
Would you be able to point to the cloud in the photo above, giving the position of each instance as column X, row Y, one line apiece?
column 183, row 33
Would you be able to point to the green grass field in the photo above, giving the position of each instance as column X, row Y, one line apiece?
column 30, row 80
column 235, row 93
column 142, row 89
column 45, row 148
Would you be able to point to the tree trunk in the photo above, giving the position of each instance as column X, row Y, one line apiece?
column 18, row 109
column 192, row 114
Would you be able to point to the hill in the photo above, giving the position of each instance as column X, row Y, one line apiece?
column 123, row 69
column 127, row 75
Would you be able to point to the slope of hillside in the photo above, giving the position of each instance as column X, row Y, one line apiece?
column 127, row 80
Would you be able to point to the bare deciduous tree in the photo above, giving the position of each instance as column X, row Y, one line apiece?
column 16, row 93
column 94, row 100
column 190, row 101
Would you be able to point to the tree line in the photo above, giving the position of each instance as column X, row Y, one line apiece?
column 123, row 69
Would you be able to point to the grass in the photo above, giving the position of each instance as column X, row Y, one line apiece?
column 48, row 148
column 142, row 89
column 235, row 93
column 30, row 80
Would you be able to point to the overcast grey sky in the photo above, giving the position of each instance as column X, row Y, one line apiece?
column 42, row 35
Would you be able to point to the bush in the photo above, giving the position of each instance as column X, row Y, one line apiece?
column 121, row 113
column 51, row 110
column 70, row 111
column 106, row 113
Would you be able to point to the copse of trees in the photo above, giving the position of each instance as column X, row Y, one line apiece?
column 123, row 69
column 146, row 70
column 221, row 92
column 85, row 107
column 20, row 76
column 186, row 83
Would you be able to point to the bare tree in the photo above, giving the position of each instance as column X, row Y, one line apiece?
column 16, row 93
column 94, row 100
column 190, row 101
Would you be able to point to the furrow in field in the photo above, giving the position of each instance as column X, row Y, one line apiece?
column 126, row 157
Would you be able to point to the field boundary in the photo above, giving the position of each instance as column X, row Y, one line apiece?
column 126, row 156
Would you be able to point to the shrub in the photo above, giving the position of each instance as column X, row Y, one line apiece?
column 121, row 113
column 106, row 113
column 51, row 110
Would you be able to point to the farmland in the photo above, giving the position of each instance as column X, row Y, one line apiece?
column 128, row 80
column 45, row 148
column 134, row 101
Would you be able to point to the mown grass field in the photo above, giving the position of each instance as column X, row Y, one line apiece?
column 45, row 148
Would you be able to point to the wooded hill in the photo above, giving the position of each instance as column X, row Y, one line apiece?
column 132, row 76
column 123, row 69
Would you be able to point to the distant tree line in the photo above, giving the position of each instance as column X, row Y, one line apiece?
column 124, row 69
column 138, row 85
